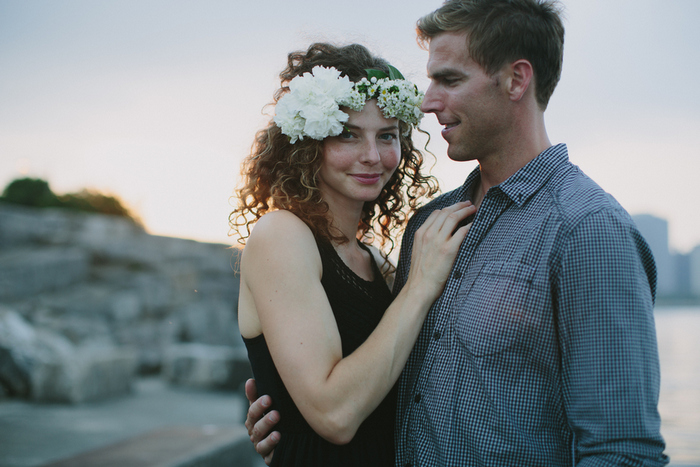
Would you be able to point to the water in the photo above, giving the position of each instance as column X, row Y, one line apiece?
column 678, row 333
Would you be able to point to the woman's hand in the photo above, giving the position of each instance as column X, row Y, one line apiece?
column 435, row 247
column 260, row 425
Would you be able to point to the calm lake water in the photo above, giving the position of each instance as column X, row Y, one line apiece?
column 678, row 333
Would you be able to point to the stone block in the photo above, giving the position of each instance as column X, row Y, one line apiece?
column 211, row 322
column 85, row 311
column 149, row 338
column 97, row 231
column 57, row 226
column 25, row 272
column 89, row 374
column 206, row 366
column 22, row 225
column 46, row 367
column 222, row 287
column 155, row 291
column 28, row 353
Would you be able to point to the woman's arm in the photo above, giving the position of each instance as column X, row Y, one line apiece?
column 281, row 273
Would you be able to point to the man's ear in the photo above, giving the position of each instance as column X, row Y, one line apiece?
column 520, row 75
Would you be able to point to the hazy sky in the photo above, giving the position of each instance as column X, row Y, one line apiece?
column 158, row 101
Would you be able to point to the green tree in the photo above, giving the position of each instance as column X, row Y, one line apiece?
column 30, row 192
column 37, row 193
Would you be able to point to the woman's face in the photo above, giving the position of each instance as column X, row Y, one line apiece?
column 360, row 161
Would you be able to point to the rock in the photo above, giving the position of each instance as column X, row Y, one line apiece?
column 46, row 367
column 22, row 225
column 29, row 271
column 211, row 322
column 89, row 374
column 27, row 352
column 16, row 338
column 149, row 338
column 206, row 366
column 58, row 226
column 97, row 231
column 85, row 312
column 95, row 297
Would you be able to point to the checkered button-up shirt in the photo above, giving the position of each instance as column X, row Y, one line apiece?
column 541, row 350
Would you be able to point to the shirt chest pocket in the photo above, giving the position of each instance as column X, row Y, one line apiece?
column 489, row 316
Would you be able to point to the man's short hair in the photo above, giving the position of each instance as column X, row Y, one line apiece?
column 503, row 31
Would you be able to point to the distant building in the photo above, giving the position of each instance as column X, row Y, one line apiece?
column 682, row 274
column 655, row 232
column 694, row 266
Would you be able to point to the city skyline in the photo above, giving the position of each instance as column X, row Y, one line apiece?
column 677, row 273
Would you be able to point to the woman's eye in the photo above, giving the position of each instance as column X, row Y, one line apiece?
column 346, row 135
column 388, row 136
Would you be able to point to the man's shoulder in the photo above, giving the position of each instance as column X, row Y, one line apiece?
column 576, row 197
column 576, row 194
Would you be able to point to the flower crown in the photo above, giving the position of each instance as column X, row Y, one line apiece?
column 312, row 105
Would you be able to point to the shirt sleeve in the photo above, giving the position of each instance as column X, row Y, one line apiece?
column 603, row 299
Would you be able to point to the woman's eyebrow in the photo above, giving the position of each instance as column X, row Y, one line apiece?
column 386, row 128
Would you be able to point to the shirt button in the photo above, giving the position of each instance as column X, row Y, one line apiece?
column 457, row 274
column 417, row 398
column 436, row 336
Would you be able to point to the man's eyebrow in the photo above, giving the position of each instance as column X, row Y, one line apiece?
column 445, row 73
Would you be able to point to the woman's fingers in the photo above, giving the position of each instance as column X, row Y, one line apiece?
column 442, row 223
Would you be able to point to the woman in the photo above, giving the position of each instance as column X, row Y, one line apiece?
column 324, row 337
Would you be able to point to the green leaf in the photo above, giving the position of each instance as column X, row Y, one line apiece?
column 371, row 73
column 394, row 73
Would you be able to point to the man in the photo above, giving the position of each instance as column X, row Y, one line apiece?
column 541, row 350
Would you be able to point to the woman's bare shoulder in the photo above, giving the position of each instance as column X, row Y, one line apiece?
column 280, row 236
column 280, row 226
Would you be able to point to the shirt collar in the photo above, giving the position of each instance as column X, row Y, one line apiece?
column 526, row 181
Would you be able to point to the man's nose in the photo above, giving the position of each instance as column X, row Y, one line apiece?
column 431, row 101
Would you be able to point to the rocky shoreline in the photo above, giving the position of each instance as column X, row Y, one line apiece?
column 88, row 302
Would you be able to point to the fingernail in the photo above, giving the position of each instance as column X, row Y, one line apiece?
column 273, row 417
column 265, row 402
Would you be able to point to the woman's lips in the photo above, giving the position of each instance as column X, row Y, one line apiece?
column 367, row 179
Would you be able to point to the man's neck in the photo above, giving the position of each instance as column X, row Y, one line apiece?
column 476, row 195
column 525, row 146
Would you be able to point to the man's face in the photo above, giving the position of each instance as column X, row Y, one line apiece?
column 471, row 105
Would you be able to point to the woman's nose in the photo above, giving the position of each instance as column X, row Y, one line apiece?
column 370, row 152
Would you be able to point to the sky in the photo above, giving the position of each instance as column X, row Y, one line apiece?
column 157, row 102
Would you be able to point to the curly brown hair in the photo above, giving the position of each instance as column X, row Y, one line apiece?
column 280, row 175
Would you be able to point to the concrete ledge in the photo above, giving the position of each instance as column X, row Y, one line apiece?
column 206, row 446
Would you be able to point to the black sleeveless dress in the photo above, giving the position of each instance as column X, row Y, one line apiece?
column 358, row 305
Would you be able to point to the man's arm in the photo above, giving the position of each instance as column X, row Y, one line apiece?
column 260, row 425
column 610, row 366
